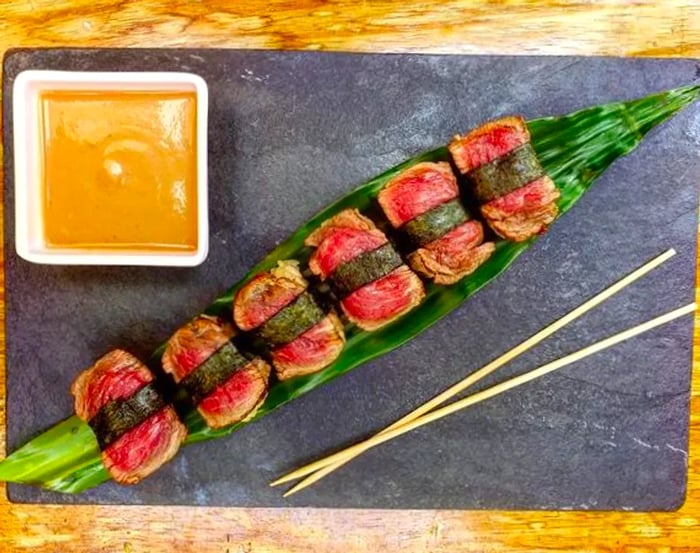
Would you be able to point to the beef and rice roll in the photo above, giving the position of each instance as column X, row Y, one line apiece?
column 277, row 307
column 225, row 385
column 423, row 201
column 517, row 199
column 368, row 275
column 137, row 431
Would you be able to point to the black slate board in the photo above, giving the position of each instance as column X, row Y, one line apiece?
column 289, row 132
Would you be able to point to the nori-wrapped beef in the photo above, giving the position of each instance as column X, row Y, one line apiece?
column 136, row 430
column 226, row 386
column 382, row 294
column 517, row 199
column 276, row 307
column 423, row 201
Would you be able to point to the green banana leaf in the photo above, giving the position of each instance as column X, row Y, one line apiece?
column 574, row 150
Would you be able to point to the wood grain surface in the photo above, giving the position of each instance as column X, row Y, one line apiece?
column 640, row 28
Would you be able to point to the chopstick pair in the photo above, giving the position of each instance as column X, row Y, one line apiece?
column 425, row 414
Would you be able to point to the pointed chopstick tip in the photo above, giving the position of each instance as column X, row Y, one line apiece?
column 279, row 481
column 292, row 491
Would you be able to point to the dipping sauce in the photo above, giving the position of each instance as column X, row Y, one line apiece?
column 119, row 170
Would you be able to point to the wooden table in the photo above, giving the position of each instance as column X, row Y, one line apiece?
column 646, row 28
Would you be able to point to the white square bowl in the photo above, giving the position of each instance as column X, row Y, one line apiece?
column 29, row 226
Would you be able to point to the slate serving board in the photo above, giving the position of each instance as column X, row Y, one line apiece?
column 289, row 132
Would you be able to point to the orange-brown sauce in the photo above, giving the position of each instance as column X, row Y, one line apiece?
column 120, row 170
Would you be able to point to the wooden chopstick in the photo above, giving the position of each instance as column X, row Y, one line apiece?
column 502, row 360
column 346, row 454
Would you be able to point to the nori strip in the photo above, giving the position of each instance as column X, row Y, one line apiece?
column 365, row 268
column 291, row 321
column 435, row 223
column 115, row 418
column 505, row 174
column 217, row 369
